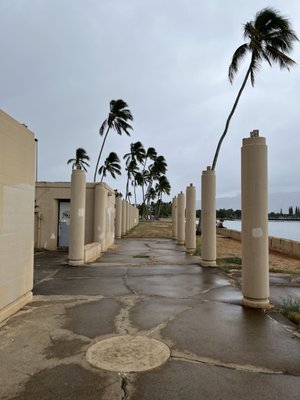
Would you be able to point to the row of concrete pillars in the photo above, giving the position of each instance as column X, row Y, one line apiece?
column 184, row 219
column 255, row 251
column 125, row 217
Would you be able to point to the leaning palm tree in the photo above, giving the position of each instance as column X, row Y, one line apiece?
column 162, row 187
column 79, row 162
column 117, row 119
column 111, row 165
column 270, row 39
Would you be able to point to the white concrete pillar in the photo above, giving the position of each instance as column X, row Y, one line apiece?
column 255, row 247
column 174, row 218
column 77, row 219
column 118, row 217
column 181, row 219
column 208, row 218
column 127, row 217
column 190, row 226
column 101, row 200
column 123, row 217
column 131, row 215
column 136, row 221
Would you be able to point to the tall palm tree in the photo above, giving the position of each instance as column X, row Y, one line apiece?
column 157, row 169
column 150, row 153
column 137, row 153
column 79, row 162
column 270, row 39
column 135, row 156
column 162, row 187
column 111, row 165
column 117, row 119
column 132, row 169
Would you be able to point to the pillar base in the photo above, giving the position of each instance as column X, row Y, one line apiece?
column 207, row 263
column 256, row 303
column 180, row 243
column 190, row 251
column 75, row 263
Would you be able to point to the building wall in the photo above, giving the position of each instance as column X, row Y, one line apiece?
column 48, row 195
column 17, row 177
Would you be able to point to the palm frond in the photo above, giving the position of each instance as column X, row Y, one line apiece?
column 237, row 57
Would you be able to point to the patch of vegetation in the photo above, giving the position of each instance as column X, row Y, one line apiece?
column 228, row 264
column 197, row 252
column 291, row 309
column 282, row 271
column 230, row 260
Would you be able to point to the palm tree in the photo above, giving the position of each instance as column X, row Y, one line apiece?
column 117, row 119
column 162, row 187
column 135, row 156
column 156, row 170
column 79, row 162
column 137, row 153
column 270, row 39
column 111, row 165
column 132, row 169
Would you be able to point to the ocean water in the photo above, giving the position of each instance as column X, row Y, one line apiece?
column 280, row 229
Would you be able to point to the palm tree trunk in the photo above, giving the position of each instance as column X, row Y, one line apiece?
column 97, row 165
column 229, row 117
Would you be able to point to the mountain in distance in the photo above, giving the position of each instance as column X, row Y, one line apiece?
column 277, row 201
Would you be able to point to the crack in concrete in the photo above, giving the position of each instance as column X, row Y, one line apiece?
column 124, row 384
column 122, row 320
column 164, row 323
column 192, row 358
column 124, row 277
column 47, row 278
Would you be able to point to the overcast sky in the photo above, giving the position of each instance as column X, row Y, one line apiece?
column 63, row 61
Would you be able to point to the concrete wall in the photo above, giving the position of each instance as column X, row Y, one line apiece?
column 17, row 176
column 48, row 195
column 286, row 246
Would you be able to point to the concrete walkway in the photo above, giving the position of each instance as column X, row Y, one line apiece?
column 149, row 288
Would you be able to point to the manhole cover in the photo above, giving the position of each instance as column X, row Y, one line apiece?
column 128, row 354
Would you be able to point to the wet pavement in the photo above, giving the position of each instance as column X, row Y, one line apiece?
column 151, row 288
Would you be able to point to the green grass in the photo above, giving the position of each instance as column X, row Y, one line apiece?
column 228, row 264
column 291, row 309
column 197, row 252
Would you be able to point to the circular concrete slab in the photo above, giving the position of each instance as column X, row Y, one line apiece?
column 128, row 354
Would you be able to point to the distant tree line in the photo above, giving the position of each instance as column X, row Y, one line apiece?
column 222, row 213
column 293, row 213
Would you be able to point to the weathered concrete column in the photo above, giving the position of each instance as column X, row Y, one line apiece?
column 77, row 220
column 174, row 218
column 118, row 226
column 190, row 226
column 255, row 247
column 101, row 198
column 136, row 216
column 131, row 216
column 208, row 218
column 181, row 218
column 123, row 217
column 127, row 217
